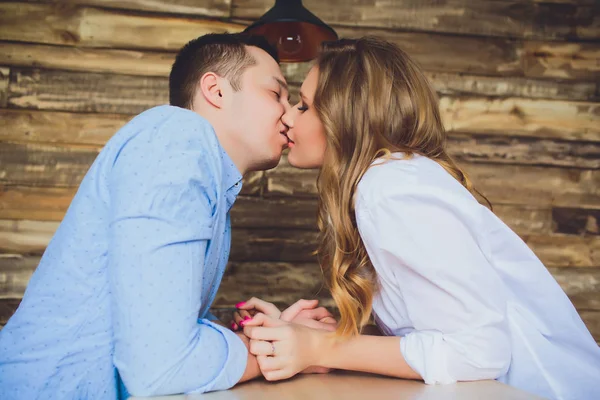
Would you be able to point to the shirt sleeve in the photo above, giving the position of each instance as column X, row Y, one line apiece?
column 428, row 242
column 161, row 217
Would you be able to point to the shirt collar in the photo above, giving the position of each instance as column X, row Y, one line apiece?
column 232, row 179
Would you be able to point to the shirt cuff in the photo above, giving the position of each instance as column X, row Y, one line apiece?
column 236, row 357
column 425, row 353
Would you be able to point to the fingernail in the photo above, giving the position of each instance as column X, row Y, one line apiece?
column 247, row 318
column 240, row 304
column 242, row 323
column 234, row 326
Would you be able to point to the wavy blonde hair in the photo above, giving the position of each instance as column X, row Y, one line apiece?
column 373, row 100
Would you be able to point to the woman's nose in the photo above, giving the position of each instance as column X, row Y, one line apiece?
column 288, row 118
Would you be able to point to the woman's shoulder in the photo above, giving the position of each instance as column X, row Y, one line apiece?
column 398, row 176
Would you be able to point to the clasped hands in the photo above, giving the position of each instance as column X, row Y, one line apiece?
column 284, row 343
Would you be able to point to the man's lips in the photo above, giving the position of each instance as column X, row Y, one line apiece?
column 287, row 137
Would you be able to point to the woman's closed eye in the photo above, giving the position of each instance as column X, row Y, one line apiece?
column 302, row 107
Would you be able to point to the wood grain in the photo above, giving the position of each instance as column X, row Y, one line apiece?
column 521, row 19
column 506, row 184
column 59, row 127
column 86, row 92
column 67, row 24
column 153, row 63
column 42, row 165
column 296, row 246
column 211, row 8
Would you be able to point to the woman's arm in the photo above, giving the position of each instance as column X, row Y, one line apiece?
column 375, row 354
column 297, row 347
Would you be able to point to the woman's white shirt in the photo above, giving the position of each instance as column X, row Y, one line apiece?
column 467, row 295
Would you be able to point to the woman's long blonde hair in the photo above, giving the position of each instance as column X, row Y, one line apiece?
column 372, row 100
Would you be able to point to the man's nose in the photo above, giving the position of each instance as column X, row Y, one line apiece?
column 288, row 119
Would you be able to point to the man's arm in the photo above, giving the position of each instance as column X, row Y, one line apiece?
column 159, row 228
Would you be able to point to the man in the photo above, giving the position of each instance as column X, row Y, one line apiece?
column 141, row 251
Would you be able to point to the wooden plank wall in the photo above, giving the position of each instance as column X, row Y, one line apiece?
column 519, row 88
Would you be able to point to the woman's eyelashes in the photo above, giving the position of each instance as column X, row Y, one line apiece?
column 302, row 107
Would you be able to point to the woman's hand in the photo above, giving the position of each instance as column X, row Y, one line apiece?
column 302, row 311
column 284, row 349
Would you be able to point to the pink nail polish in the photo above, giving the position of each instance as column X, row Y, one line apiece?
column 242, row 323
column 234, row 326
column 246, row 318
column 240, row 304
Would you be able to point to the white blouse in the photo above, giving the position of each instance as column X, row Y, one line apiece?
column 467, row 295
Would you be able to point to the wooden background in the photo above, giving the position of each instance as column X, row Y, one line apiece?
column 519, row 87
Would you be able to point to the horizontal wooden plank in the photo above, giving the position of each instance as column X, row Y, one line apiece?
column 277, row 282
column 296, row 246
column 44, row 165
column 85, row 92
column 464, row 85
column 111, row 93
column 91, row 27
column 494, row 56
column 212, row 8
column 286, row 282
column 561, row 60
column 50, row 204
column 514, row 116
column 488, row 18
column 506, row 184
column 59, row 166
column 131, row 62
column 94, row 27
column 34, row 203
column 519, row 150
column 146, row 63
column 59, row 127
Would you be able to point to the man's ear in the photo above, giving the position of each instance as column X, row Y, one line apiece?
column 210, row 86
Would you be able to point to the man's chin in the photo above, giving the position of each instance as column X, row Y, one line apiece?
column 270, row 164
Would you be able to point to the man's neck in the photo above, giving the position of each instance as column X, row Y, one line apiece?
column 226, row 141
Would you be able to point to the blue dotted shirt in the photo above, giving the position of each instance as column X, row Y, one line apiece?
column 123, row 290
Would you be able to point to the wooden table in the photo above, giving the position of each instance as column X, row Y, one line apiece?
column 351, row 386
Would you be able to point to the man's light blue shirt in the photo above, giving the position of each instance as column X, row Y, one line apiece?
column 124, row 287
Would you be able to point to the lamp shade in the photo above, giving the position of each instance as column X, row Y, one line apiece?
column 296, row 32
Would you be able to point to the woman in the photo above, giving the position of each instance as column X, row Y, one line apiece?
column 459, row 295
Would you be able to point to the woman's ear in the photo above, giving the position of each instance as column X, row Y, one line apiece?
column 210, row 87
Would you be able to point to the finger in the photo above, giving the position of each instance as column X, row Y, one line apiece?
column 267, row 364
column 261, row 319
column 292, row 311
column 278, row 374
column 237, row 318
column 261, row 348
column 328, row 320
column 244, row 317
column 264, row 333
column 311, row 323
column 317, row 313
column 260, row 305
column 233, row 325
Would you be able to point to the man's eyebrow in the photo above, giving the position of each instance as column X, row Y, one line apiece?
column 281, row 83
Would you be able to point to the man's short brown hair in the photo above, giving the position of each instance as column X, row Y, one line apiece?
column 222, row 53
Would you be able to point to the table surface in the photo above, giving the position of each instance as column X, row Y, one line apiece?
column 349, row 386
